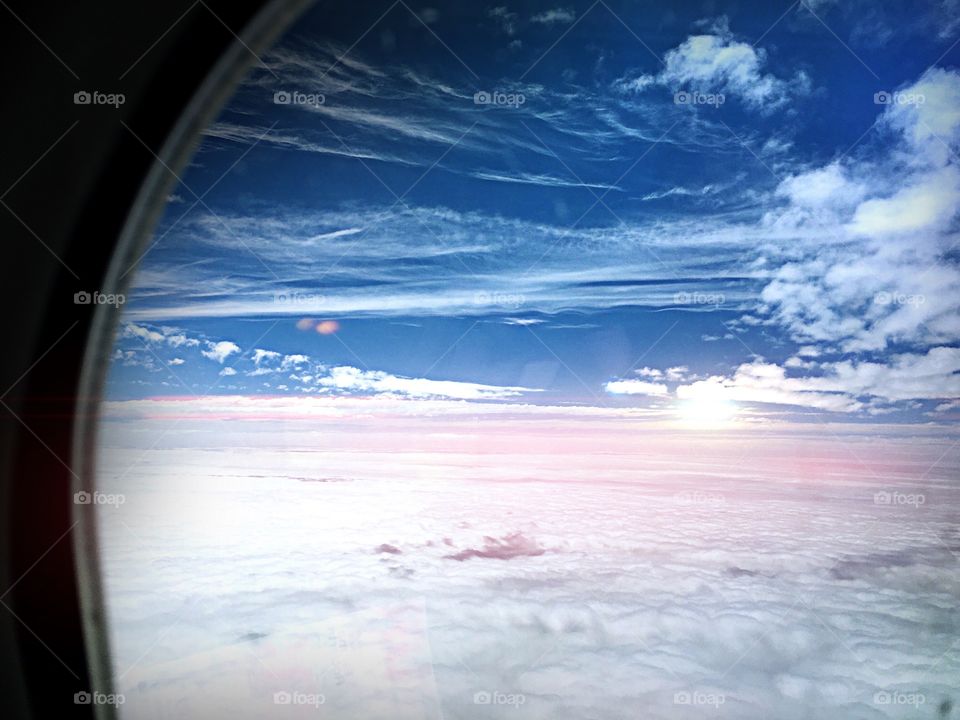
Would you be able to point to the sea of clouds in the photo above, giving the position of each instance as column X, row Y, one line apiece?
column 527, row 566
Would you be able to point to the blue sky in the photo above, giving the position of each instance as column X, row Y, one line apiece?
column 752, row 203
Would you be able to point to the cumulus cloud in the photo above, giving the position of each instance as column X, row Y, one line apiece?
column 220, row 351
column 259, row 355
column 677, row 373
column 760, row 382
column 927, row 114
column 828, row 187
column 310, row 376
column 718, row 63
column 927, row 204
column 843, row 386
column 872, row 266
column 144, row 333
column 174, row 337
column 650, row 372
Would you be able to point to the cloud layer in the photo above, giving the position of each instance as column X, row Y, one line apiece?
column 400, row 564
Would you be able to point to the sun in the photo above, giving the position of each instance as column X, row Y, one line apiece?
column 707, row 411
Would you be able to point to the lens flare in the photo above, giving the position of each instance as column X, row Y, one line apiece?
column 328, row 327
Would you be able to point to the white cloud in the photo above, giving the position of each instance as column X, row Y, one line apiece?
column 563, row 16
column 522, row 321
column 638, row 83
column 504, row 247
column 259, row 355
column 928, row 203
column 144, row 333
column 677, row 373
column 635, row 387
column 678, row 569
column 871, row 264
column 220, row 351
column 543, row 180
column 717, row 63
column 929, row 115
column 840, row 386
column 293, row 361
column 172, row 336
column 506, row 19
column 826, row 187
column 760, row 382
column 353, row 379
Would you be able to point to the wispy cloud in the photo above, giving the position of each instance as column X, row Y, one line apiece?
column 352, row 379
column 555, row 16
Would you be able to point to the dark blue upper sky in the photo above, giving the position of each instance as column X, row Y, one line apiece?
column 602, row 203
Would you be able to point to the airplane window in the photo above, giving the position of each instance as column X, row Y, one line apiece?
column 550, row 360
